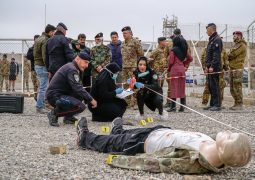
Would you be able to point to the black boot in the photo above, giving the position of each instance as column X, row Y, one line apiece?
column 183, row 101
column 167, row 105
column 173, row 107
column 53, row 119
column 69, row 119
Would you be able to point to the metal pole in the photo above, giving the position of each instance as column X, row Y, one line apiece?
column 153, row 33
column 252, row 36
column 248, row 56
column 22, row 63
column 226, row 33
column 199, row 26
column 45, row 15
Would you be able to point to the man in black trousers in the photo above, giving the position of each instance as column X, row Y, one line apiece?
column 213, row 65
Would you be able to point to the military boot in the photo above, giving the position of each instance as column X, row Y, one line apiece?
column 69, row 119
column 237, row 107
column 183, row 101
column 53, row 119
column 173, row 107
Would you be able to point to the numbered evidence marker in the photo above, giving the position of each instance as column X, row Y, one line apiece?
column 105, row 129
column 149, row 120
column 142, row 122
column 109, row 159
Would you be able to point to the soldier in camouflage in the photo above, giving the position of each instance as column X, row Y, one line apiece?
column 131, row 50
column 236, row 59
column 26, row 71
column 100, row 55
column 158, row 60
column 166, row 150
column 225, row 67
column 4, row 73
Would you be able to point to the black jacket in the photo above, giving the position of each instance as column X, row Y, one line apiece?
column 213, row 53
column 58, row 52
column 67, row 81
column 103, row 90
column 30, row 56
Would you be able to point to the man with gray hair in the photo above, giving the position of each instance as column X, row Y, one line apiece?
column 58, row 50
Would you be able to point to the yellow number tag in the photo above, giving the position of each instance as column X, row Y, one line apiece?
column 105, row 129
column 142, row 123
column 109, row 159
column 149, row 119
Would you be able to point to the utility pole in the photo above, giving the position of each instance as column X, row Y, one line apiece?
column 45, row 10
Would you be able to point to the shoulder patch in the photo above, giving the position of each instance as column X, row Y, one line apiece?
column 76, row 77
column 155, row 76
column 216, row 44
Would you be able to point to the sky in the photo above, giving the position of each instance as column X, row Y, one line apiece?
column 24, row 18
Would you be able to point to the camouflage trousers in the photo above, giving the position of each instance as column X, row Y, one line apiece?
column 2, row 79
column 236, row 86
column 26, row 82
column 206, row 93
column 168, row 87
column 34, row 80
column 126, row 74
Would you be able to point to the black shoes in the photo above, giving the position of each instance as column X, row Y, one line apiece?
column 207, row 108
column 117, row 122
column 69, row 120
column 82, row 127
column 167, row 105
column 53, row 119
column 212, row 108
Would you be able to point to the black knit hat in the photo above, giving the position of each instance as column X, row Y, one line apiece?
column 84, row 56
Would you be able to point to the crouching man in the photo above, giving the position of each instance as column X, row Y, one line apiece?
column 66, row 93
column 166, row 150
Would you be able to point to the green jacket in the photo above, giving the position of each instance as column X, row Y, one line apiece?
column 237, row 55
column 184, row 160
column 40, row 49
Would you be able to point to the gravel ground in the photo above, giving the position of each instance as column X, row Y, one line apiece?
column 25, row 140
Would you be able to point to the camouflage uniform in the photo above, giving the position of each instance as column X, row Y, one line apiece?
column 166, row 53
column 224, row 63
column 236, row 59
column 4, row 74
column 183, row 160
column 26, row 71
column 131, row 50
column 34, row 80
column 159, row 62
column 100, row 56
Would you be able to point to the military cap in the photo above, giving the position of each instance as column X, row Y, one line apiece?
column 49, row 28
column 161, row 39
column 210, row 24
column 177, row 31
column 238, row 33
column 126, row 28
column 62, row 25
column 99, row 35
column 84, row 56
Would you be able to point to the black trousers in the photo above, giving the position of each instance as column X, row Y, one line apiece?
column 151, row 100
column 66, row 105
column 120, row 141
column 105, row 112
column 214, row 89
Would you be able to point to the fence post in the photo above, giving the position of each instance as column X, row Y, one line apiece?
column 226, row 33
column 22, row 70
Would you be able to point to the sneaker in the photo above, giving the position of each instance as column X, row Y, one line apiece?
column 41, row 111
column 82, row 127
column 207, row 108
column 214, row 108
column 236, row 107
column 117, row 122
column 69, row 120
column 164, row 116
column 53, row 119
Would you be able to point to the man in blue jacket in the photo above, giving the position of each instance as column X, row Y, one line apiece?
column 58, row 50
column 115, row 46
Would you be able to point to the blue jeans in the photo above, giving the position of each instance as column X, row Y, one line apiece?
column 42, row 75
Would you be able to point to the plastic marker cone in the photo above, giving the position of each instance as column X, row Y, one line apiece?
column 149, row 120
column 109, row 159
column 105, row 129
column 142, row 122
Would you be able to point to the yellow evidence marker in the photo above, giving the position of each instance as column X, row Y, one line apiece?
column 109, row 159
column 149, row 120
column 142, row 122
column 105, row 129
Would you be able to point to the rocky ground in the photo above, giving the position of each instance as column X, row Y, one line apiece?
column 25, row 140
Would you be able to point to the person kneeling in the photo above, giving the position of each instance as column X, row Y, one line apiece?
column 147, row 80
column 167, row 150
column 104, row 90
column 66, row 93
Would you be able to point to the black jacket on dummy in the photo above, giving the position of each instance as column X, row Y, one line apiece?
column 151, row 81
column 103, row 91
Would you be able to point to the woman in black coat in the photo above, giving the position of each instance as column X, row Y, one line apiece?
column 148, row 78
column 104, row 91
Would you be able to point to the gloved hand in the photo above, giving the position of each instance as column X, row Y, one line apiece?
column 119, row 90
column 139, row 85
column 128, row 81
